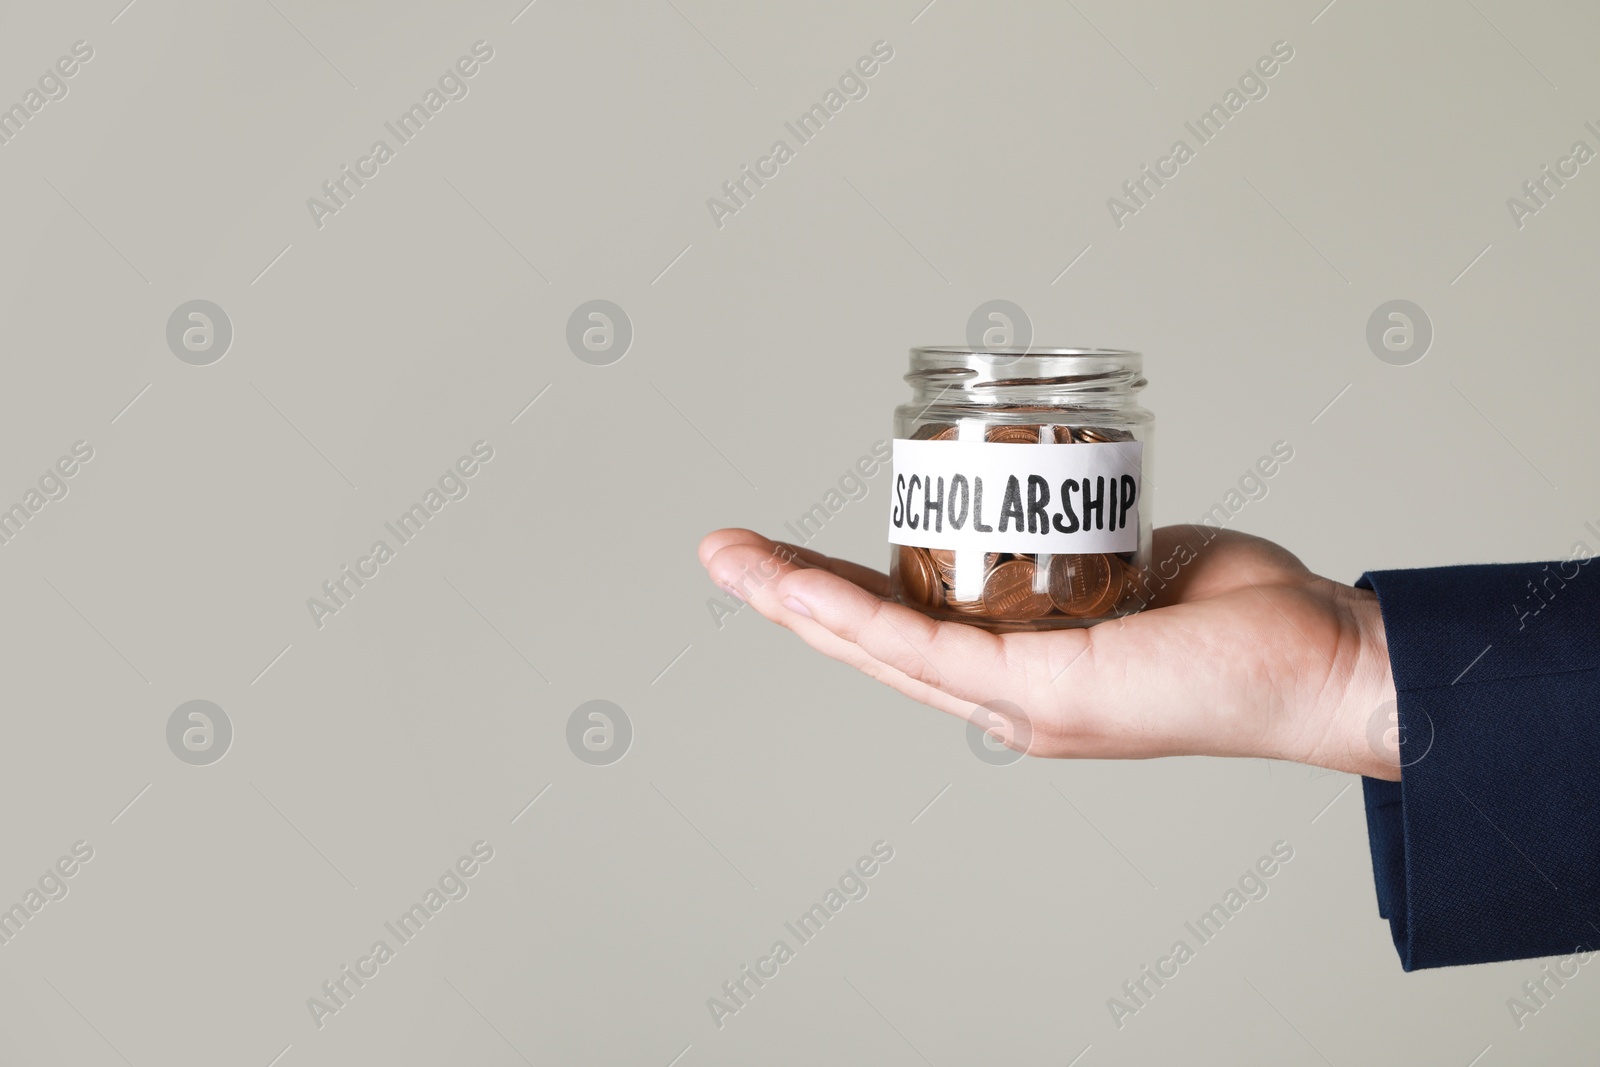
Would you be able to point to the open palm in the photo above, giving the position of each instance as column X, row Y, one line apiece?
column 1243, row 652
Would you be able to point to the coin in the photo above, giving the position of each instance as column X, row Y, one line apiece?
column 1118, row 577
column 1079, row 582
column 1091, row 435
column 1008, row 592
column 919, row 578
column 934, row 431
column 1024, row 435
column 1064, row 435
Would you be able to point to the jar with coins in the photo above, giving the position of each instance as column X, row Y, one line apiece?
column 1018, row 499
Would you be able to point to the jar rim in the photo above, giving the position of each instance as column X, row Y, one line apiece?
column 976, row 365
column 1015, row 352
column 1003, row 374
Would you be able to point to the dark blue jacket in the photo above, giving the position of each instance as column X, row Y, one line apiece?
column 1488, row 848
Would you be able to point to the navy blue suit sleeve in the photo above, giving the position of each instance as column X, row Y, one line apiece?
column 1488, row 848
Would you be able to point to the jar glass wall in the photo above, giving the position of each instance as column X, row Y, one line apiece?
column 1037, row 538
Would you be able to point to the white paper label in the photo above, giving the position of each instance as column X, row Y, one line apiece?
column 996, row 496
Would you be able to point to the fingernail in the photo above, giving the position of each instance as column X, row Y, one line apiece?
column 731, row 591
column 796, row 606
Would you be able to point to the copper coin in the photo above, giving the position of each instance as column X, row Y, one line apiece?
column 1114, row 588
column 1014, row 435
column 919, row 578
column 934, row 431
column 965, row 607
column 1078, row 583
column 1064, row 435
column 1008, row 592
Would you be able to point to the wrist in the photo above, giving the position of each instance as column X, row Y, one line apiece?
column 1367, row 710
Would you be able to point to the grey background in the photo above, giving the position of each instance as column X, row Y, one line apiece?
column 371, row 353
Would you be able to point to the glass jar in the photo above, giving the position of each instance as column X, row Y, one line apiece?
column 1019, row 500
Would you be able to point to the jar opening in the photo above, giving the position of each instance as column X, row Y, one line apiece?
column 936, row 351
column 977, row 371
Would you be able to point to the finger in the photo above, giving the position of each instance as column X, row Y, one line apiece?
column 874, row 582
column 754, row 574
column 961, row 660
column 1194, row 562
column 717, row 540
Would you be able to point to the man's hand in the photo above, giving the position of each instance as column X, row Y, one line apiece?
column 1243, row 652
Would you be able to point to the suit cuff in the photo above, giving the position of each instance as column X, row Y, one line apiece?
column 1488, row 848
